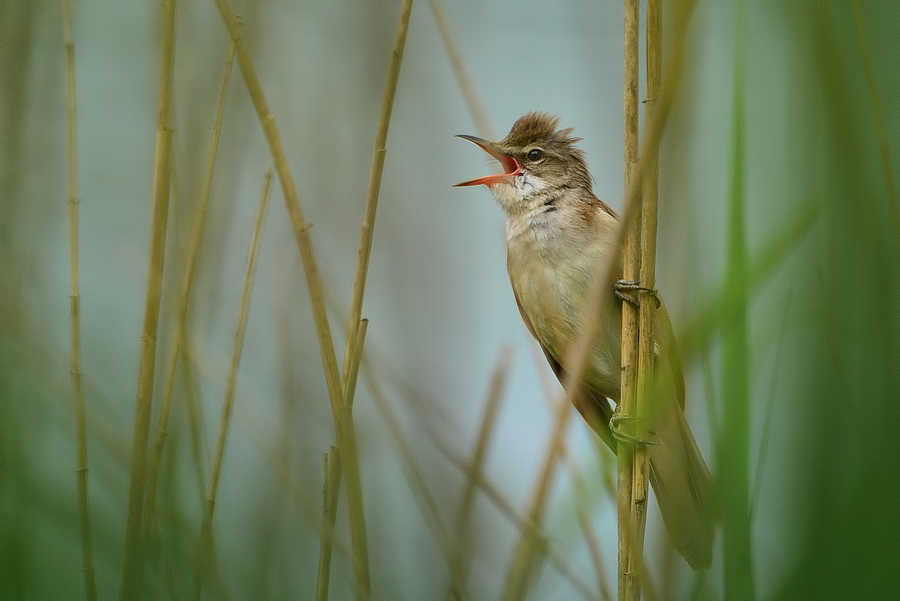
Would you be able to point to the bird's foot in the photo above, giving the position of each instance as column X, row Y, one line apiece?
column 626, row 290
column 622, row 436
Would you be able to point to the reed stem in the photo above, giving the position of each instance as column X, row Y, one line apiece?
column 231, row 382
column 131, row 579
column 81, row 471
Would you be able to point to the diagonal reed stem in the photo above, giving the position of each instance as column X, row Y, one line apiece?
column 81, row 471
column 131, row 578
column 577, row 360
column 530, row 545
column 473, row 103
column 354, row 347
column 184, row 301
column 228, row 405
column 346, row 436
column 463, row 559
column 368, row 225
column 493, row 494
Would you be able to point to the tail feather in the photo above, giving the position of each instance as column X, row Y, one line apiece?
column 683, row 485
column 684, row 489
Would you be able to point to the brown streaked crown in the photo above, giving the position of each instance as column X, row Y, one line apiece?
column 538, row 127
column 563, row 162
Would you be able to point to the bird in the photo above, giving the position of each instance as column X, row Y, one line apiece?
column 559, row 237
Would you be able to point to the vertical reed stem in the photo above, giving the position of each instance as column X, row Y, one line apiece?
column 131, row 579
column 648, row 307
column 193, row 258
column 332, row 470
column 629, row 546
column 87, row 562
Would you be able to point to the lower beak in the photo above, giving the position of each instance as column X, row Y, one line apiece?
column 510, row 165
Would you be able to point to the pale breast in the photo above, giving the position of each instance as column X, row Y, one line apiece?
column 551, row 269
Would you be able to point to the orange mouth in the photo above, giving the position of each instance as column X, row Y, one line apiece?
column 511, row 167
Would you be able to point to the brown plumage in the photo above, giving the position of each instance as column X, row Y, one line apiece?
column 558, row 236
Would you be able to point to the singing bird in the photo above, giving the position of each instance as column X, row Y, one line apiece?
column 559, row 236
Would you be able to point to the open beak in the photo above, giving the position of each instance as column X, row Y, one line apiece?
column 510, row 165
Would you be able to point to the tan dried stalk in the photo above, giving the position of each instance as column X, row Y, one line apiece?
column 346, row 436
column 493, row 494
column 231, row 383
column 463, row 559
column 641, row 372
column 184, row 301
column 331, row 468
column 81, row 471
column 368, row 224
column 473, row 103
column 530, row 544
column 134, row 543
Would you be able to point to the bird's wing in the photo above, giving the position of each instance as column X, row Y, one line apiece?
column 593, row 407
column 668, row 352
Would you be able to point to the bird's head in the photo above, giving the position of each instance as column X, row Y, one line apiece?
column 535, row 157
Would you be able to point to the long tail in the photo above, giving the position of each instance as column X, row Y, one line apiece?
column 684, row 488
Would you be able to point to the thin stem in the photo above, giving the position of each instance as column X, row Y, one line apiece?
column 228, row 405
column 353, row 348
column 493, row 494
column 473, row 103
column 343, row 424
column 462, row 561
column 584, row 522
column 530, row 543
column 331, row 467
column 161, row 190
column 417, row 481
column 368, row 225
column 87, row 562
column 184, row 300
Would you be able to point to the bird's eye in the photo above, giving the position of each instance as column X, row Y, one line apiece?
column 535, row 154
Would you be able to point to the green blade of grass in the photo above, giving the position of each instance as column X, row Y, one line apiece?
column 734, row 452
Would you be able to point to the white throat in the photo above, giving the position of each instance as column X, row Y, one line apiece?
column 513, row 194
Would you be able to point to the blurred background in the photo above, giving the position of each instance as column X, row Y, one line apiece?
column 821, row 133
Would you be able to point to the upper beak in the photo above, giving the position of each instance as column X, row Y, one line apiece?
column 510, row 165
